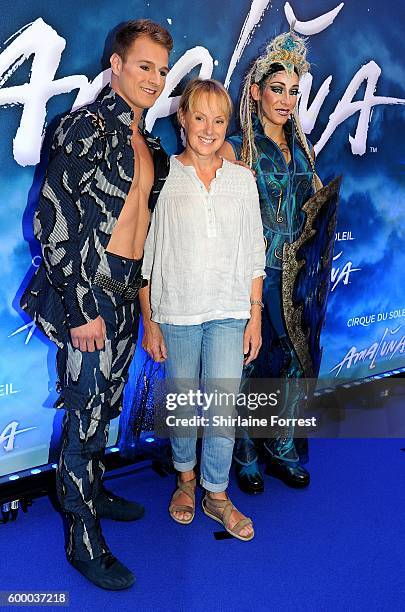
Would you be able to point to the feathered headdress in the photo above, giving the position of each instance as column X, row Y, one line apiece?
column 289, row 50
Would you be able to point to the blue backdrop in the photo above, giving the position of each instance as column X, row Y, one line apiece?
column 53, row 57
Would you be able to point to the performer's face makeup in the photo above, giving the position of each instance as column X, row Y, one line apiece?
column 205, row 125
column 277, row 97
column 140, row 79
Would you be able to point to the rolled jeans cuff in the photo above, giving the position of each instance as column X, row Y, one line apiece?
column 184, row 467
column 214, row 487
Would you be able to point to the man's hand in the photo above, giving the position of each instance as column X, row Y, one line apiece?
column 153, row 342
column 89, row 337
column 252, row 339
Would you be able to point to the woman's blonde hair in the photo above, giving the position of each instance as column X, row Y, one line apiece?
column 194, row 90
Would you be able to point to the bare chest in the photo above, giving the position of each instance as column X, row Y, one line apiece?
column 143, row 166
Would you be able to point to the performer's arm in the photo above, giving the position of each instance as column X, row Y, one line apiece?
column 227, row 151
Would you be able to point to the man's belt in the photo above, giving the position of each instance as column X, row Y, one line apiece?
column 127, row 291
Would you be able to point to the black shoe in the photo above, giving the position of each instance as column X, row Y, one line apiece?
column 249, row 477
column 294, row 476
column 105, row 572
column 111, row 506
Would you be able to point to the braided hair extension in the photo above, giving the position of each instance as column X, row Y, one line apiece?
column 246, row 110
column 316, row 181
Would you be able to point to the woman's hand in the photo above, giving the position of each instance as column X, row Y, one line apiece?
column 153, row 342
column 252, row 339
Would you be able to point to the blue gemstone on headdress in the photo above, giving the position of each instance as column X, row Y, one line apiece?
column 289, row 44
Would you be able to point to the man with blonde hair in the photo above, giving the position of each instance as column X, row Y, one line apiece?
column 92, row 220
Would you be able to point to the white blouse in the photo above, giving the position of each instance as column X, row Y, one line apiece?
column 204, row 247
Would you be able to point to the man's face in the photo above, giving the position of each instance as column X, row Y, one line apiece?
column 140, row 79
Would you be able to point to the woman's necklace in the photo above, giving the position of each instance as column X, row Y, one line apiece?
column 284, row 149
column 282, row 144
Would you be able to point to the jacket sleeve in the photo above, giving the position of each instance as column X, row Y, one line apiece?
column 161, row 166
column 58, row 219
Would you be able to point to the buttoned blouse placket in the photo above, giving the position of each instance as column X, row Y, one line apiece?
column 207, row 199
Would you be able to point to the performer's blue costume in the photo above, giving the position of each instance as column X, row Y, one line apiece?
column 299, row 217
column 283, row 189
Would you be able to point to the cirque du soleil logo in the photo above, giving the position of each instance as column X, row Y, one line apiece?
column 388, row 346
column 9, row 434
column 10, row 431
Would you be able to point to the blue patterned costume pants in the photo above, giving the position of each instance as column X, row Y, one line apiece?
column 92, row 385
column 276, row 359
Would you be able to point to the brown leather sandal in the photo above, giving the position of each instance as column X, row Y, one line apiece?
column 189, row 489
column 220, row 510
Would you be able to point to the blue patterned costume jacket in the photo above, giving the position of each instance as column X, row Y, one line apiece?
column 89, row 175
column 283, row 188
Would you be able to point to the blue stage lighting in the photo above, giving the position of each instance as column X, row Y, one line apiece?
column 149, row 439
column 13, row 477
column 36, row 471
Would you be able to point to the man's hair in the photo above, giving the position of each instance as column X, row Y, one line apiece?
column 195, row 88
column 128, row 32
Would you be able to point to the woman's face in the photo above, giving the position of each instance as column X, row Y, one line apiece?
column 205, row 125
column 278, row 97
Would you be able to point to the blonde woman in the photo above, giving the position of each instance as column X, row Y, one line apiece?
column 204, row 259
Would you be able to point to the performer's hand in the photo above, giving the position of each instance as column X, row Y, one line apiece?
column 238, row 162
column 89, row 337
column 153, row 342
column 252, row 339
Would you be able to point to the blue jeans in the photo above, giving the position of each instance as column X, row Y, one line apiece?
column 216, row 349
